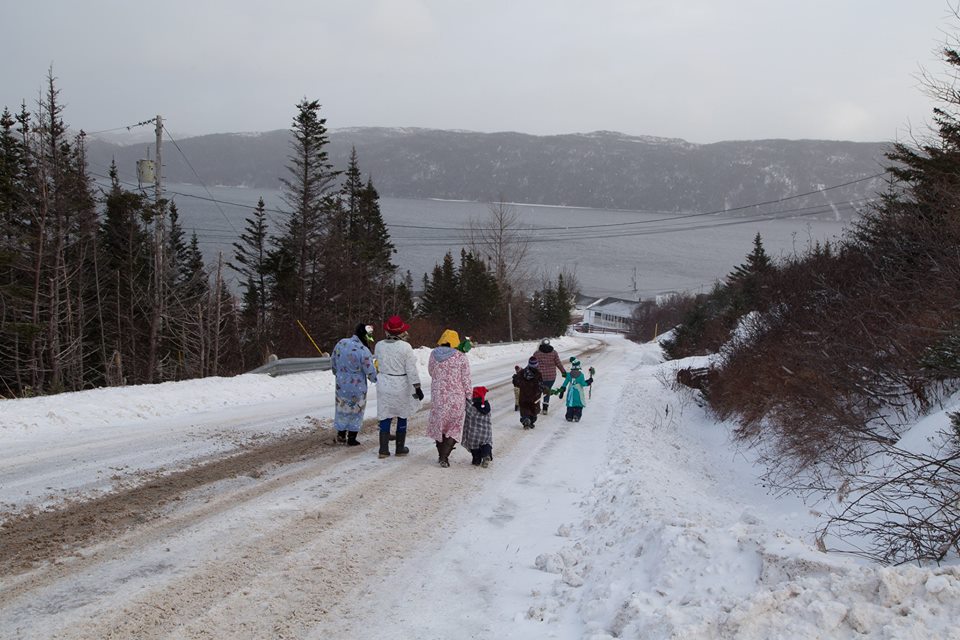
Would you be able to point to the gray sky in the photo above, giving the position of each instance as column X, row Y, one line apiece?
column 702, row 70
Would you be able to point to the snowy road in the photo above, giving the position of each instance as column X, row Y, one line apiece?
column 222, row 509
column 300, row 531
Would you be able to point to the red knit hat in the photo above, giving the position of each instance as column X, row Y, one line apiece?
column 480, row 392
column 395, row 325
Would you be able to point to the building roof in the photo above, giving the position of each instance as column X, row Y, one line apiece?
column 582, row 301
column 615, row 306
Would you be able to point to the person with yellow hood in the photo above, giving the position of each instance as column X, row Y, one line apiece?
column 450, row 390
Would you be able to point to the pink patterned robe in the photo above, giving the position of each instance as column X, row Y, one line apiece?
column 449, row 392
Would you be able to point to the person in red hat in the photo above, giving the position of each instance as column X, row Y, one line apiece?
column 477, row 429
column 398, row 389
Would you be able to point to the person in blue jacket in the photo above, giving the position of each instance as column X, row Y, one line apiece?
column 352, row 364
column 576, row 398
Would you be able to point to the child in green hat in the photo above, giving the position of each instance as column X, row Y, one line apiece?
column 577, row 383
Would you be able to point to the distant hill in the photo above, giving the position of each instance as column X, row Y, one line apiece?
column 602, row 169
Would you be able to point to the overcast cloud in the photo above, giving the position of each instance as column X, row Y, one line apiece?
column 702, row 70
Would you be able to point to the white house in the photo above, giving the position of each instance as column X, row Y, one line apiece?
column 609, row 314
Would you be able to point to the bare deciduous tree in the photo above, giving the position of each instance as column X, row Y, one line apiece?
column 503, row 243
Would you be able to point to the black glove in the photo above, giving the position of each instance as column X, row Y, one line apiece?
column 418, row 393
column 562, row 389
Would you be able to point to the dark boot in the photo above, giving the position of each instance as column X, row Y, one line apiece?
column 439, row 451
column 352, row 438
column 486, row 455
column 546, row 404
column 476, row 457
column 384, row 445
column 341, row 437
column 445, row 448
column 401, row 440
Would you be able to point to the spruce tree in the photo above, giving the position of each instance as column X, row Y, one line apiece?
column 479, row 296
column 441, row 295
column 125, row 271
column 399, row 299
column 16, row 326
column 250, row 261
column 745, row 283
column 301, row 276
column 376, row 248
column 350, row 194
column 363, row 247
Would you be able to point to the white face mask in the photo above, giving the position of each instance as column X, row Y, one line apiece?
column 369, row 329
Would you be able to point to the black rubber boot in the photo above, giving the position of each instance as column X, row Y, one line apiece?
column 341, row 437
column 384, row 445
column 401, row 440
column 445, row 448
column 352, row 439
column 486, row 455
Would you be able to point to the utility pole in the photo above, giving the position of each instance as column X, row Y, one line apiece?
column 161, row 213
column 159, row 263
column 157, row 190
column 510, row 319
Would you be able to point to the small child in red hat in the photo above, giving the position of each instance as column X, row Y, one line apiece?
column 478, row 429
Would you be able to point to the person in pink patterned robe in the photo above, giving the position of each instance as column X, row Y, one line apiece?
column 450, row 391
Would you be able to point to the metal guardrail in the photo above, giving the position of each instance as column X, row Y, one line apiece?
column 284, row 366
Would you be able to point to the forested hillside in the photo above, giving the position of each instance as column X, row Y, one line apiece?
column 825, row 359
column 100, row 285
column 598, row 170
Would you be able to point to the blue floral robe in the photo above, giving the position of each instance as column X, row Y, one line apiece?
column 352, row 364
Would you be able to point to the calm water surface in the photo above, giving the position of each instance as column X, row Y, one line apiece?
column 619, row 253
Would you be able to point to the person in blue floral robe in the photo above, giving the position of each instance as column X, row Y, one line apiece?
column 352, row 364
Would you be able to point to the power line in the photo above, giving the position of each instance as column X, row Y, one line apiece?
column 678, row 216
column 187, row 160
column 190, row 195
column 607, row 233
column 670, row 218
column 601, row 230
column 127, row 127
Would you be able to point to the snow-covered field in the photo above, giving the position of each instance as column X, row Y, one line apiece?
column 641, row 521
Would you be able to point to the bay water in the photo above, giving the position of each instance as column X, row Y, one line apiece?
column 627, row 254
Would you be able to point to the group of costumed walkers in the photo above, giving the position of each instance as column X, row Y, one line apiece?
column 459, row 412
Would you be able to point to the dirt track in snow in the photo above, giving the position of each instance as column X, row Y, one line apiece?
column 270, row 541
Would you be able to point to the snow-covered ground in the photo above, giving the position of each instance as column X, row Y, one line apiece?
column 641, row 521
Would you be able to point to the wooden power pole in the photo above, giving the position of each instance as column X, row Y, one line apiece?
column 159, row 263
